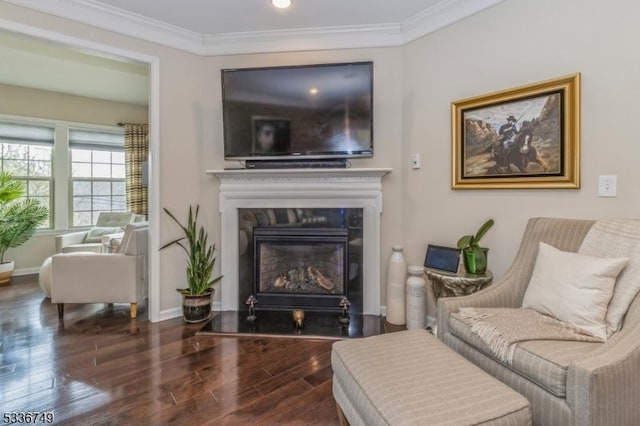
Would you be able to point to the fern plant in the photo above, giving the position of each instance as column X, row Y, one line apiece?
column 19, row 219
column 200, row 255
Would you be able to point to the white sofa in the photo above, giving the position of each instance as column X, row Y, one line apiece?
column 119, row 277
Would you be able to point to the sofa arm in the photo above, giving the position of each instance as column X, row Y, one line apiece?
column 602, row 387
column 499, row 294
column 72, row 238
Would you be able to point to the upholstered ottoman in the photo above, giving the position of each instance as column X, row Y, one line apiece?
column 411, row 378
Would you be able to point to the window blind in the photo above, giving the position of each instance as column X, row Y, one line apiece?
column 26, row 134
column 96, row 140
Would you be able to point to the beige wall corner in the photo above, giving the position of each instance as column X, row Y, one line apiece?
column 515, row 43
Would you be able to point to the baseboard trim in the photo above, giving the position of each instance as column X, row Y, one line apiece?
column 168, row 314
column 26, row 271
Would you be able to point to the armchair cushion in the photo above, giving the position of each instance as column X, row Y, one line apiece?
column 573, row 288
column 544, row 362
column 95, row 234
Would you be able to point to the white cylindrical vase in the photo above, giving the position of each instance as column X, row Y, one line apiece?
column 396, row 279
column 416, row 298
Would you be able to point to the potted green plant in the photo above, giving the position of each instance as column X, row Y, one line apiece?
column 196, row 298
column 474, row 256
column 19, row 219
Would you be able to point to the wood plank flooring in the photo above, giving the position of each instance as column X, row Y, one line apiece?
column 99, row 367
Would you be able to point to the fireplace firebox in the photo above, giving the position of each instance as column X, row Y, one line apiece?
column 300, row 267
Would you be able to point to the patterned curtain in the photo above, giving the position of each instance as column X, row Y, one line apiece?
column 136, row 149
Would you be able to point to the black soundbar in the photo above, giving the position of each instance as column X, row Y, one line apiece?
column 297, row 164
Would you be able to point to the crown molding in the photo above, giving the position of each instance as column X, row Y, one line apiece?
column 440, row 15
column 99, row 15
column 350, row 37
column 113, row 19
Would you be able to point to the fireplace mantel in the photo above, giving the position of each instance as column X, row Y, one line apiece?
column 228, row 175
column 301, row 188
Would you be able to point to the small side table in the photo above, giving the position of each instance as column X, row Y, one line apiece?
column 450, row 285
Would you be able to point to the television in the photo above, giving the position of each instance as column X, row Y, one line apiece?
column 311, row 112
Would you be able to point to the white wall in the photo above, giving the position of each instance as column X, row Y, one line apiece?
column 514, row 43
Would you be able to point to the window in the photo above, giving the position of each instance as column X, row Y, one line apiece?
column 97, row 175
column 26, row 153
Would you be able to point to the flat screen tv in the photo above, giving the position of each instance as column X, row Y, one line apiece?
column 311, row 111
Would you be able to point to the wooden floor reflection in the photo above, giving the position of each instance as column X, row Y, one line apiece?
column 99, row 367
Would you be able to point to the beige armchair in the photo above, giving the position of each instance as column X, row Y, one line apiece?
column 567, row 383
column 119, row 277
column 92, row 240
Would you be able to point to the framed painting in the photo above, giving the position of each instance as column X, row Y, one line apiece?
column 526, row 137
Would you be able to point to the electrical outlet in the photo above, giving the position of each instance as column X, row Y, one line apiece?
column 415, row 161
column 608, row 186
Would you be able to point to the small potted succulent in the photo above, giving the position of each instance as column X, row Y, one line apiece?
column 474, row 256
column 196, row 298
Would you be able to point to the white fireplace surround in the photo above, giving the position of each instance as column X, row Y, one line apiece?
column 301, row 188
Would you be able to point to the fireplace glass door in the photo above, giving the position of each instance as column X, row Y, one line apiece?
column 300, row 267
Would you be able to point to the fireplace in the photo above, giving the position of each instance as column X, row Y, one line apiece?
column 295, row 258
column 243, row 191
column 298, row 267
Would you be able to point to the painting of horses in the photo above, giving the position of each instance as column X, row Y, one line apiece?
column 519, row 138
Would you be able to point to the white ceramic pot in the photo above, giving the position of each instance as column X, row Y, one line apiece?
column 396, row 281
column 6, row 271
column 416, row 298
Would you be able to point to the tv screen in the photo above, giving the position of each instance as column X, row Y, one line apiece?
column 312, row 111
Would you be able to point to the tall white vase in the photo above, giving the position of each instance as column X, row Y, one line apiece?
column 416, row 298
column 396, row 278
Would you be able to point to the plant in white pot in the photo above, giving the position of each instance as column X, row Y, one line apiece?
column 19, row 219
column 196, row 298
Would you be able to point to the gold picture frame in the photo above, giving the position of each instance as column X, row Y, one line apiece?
column 525, row 137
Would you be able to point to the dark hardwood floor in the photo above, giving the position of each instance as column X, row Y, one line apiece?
column 99, row 367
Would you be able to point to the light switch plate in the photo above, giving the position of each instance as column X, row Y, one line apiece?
column 415, row 161
column 608, row 186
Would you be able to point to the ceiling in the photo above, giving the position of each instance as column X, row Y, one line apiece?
column 233, row 16
column 223, row 27
column 212, row 27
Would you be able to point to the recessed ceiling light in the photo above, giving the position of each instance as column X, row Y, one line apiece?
column 313, row 91
column 282, row 4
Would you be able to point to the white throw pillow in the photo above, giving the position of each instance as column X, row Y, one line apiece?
column 574, row 288
column 95, row 234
